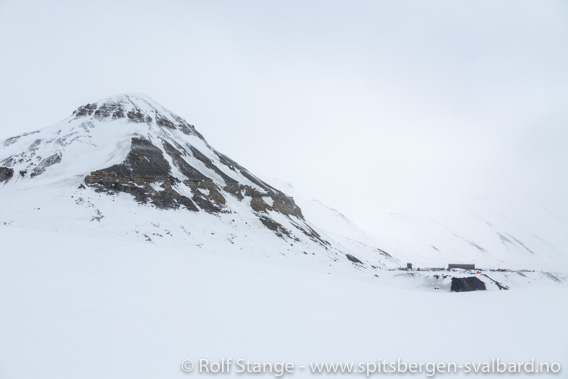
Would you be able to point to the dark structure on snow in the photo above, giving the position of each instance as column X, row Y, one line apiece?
column 465, row 266
column 467, row 284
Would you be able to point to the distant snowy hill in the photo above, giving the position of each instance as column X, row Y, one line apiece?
column 487, row 233
column 126, row 167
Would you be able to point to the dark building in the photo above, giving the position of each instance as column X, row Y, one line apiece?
column 465, row 266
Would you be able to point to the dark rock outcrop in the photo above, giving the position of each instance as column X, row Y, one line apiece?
column 136, row 115
column 285, row 205
column 277, row 228
column 310, row 232
column 85, row 110
column 109, row 110
column 353, row 259
column 143, row 169
column 6, row 174
column 471, row 283
column 44, row 164
column 146, row 167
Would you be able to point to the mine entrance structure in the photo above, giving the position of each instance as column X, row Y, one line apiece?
column 465, row 266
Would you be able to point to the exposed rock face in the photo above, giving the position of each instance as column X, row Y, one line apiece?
column 467, row 284
column 353, row 259
column 169, row 172
column 6, row 174
column 275, row 227
column 44, row 164
column 147, row 175
column 167, row 164
column 144, row 166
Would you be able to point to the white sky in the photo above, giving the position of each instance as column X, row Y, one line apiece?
column 356, row 103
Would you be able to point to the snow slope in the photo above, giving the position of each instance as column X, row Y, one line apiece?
column 490, row 232
column 73, row 306
column 486, row 232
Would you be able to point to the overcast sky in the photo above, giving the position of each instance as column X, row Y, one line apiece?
column 356, row 103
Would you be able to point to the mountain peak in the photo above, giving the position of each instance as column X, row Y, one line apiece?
column 136, row 108
column 139, row 100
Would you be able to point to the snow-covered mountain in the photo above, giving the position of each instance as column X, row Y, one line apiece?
column 126, row 167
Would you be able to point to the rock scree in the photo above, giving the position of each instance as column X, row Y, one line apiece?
column 6, row 174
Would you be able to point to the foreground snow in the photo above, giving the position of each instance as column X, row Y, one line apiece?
column 74, row 307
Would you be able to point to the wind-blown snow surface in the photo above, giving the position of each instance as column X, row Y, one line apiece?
column 76, row 307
